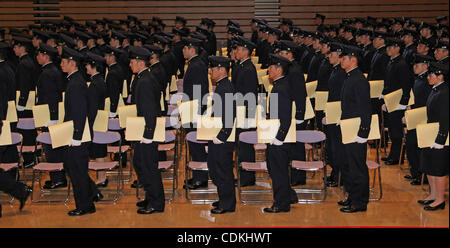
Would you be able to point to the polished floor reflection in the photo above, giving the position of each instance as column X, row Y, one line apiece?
column 398, row 208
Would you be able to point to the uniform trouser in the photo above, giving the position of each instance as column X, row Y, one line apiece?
column 9, row 154
column 220, row 166
column 356, row 174
column 76, row 164
column 278, row 166
column 246, row 154
column 146, row 166
column 55, row 156
column 335, row 150
column 198, row 154
column 298, row 153
column 29, row 136
column 318, row 119
column 413, row 153
column 10, row 186
column 395, row 133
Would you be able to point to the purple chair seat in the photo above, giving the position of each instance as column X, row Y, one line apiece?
column 307, row 166
column 26, row 124
column 165, row 147
column 115, row 149
column 103, row 165
column 372, row 165
column 258, row 166
column 308, row 136
column 106, row 137
column 164, row 165
column 192, row 137
column 49, row 167
column 114, row 124
column 198, row 166
column 8, row 166
column 249, row 137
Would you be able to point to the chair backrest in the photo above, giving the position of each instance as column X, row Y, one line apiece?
column 171, row 121
column 16, row 138
column 170, row 136
column 105, row 137
column 192, row 137
column 249, row 137
column 114, row 124
column 44, row 138
column 26, row 124
column 310, row 136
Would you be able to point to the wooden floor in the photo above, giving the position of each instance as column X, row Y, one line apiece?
column 398, row 208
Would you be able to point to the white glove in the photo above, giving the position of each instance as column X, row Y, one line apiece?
column 75, row 143
column 437, row 146
column 401, row 107
column 51, row 123
column 276, row 142
column 360, row 140
column 338, row 123
column 381, row 97
column 216, row 141
column 408, row 108
column 146, row 141
column 299, row 121
column 384, row 108
column 20, row 108
column 112, row 115
column 129, row 99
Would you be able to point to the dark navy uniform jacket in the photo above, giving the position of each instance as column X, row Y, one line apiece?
column 76, row 103
column 284, row 107
column 378, row 64
column 398, row 76
column 26, row 77
column 223, row 87
column 49, row 88
column 438, row 110
column 421, row 90
column 297, row 86
column 97, row 94
column 114, row 83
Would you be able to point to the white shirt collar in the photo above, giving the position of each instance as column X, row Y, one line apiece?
column 146, row 68
column 352, row 69
column 222, row 78
column 422, row 73
column 244, row 60
column 112, row 64
column 443, row 58
column 395, row 57
column 95, row 74
column 47, row 63
column 155, row 63
column 192, row 57
column 278, row 78
column 71, row 73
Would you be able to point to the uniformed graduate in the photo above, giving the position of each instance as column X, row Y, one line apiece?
column 427, row 32
column 146, row 151
column 323, row 74
column 49, row 91
column 409, row 37
column 335, row 149
column 421, row 90
column 308, row 52
column 158, row 70
column 26, row 77
column 425, row 47
column 167, row 57
column 178, row 45
column 355, row 102
column 434, row 160
column 8, row 93
column 114, row 78
column 441, row 53
column 76, row 106
column 277, row 154
column 368, row 49
column 180, row 23
column 273, row 35
column 245, row 82
column 211, row 46
column 316, row 59
column 220, row 151
column 97, row 91
column 319, row 21
column 195, row 86
column 286, row 26
column 398, row 76
column 297, row 86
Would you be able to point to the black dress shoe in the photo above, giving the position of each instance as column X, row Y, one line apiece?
column 148, row 210
column 438, row 207
column 298, row 183
column 103, row 184
column 345, row 203
column 28, row 165
column 350, row 209
column 221, row 211
column 48, row 182
column 98, row 197
column 391, row 162
column 408, row 177
column 215, row 204
column 136, row 184
column 24, row 197
column 198, row 185
column 55, row 185
column 142, row 204
column 416, row 181
column 79, row 212
column 275, row 210
column 425, row 202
